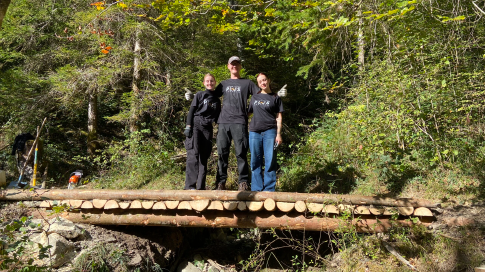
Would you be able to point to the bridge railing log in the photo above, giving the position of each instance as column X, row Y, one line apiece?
column 179, row 195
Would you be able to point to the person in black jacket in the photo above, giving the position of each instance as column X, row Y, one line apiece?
column 204, row 110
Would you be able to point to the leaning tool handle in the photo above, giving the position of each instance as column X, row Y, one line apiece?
column 31, row 149
column 34, row 178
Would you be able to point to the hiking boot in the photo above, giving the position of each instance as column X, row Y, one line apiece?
column 221, row 186
column 243, row 186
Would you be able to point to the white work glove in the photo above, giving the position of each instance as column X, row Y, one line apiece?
column 282, row 92
column 188, row 94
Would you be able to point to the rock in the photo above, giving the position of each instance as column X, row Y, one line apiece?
column 64, row 228
column 62, row 251
column 136, row 261
column 187, row 266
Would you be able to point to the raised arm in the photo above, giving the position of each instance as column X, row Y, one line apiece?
column 188, row 94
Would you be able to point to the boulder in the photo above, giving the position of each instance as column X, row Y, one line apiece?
column 63, row 227
column 61, row 251
column 187, row 266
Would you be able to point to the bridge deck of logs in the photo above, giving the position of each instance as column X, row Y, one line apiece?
column 230, row 209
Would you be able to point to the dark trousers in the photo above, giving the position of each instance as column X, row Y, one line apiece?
column 238, row 133
column 199, row 148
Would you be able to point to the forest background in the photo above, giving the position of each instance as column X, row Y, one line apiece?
column 384, row 96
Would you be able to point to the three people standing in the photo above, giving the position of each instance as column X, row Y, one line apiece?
column 233, row 126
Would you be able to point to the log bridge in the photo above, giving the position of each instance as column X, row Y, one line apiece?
column 230, row 209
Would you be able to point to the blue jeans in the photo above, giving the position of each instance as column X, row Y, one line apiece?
column 262, row 144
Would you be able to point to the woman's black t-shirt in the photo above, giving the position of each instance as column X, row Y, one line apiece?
column 205, row 105
column 265, row 108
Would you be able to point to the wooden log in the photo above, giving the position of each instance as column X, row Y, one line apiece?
column 300, row 206
column 376, row 210
column 389, row 211
column 230, row 205
column 124, row 205
column 361, row 210
column 216, row 205
column 172, row 204
column 159, row 206
column 405, row 210
column 241, row 205
column 235, row 220
column 422, row 211
column 99, row 203
column 254, row 206
column 184, row 205
column 111, row 205
column 331, row 209
column 345, row 208
column 135, row 204
column 45, row 204
column 269, row 204
column 87, row 205
column 285, row 206
column 76, row 204
column 200, row 205
column 315, row 207
column 147, row 205
column 85, row 194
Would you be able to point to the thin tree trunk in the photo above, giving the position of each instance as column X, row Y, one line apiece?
column 360, row 38
column 3, row 9
column 92, row 121
column 136, row 83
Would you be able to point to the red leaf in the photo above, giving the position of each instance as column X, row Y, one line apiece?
column 109, row 48
column 105, row 51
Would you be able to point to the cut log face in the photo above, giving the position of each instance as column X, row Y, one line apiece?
column 376, row 210
column 45, row 204
column 200, row 205
column 135, row 204
column 285, row 206
column 331, row 209
column 99, row 203
column 422, row 211
column 315, row 207
column 147, row 204
column 172, row 204
column 254, row 206
column 111, row 205
column 76, row 204
column 269, row 204
column 216, row 205
column 345, row 208
column 241, row 205
column 405, row 210
column 230, row 205
column 124, row 205
column 361, row 210
column 159, row 206
column 184, row 205
column 300, row 206
column 87, row 205
column 390, row 211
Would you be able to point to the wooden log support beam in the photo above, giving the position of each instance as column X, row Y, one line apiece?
column 241, row 205
column 147, row 205
column 376, row 210
column 216, row 205
column 255, row 206
column 87, row 205
column 187, row 195
column 285, row 206
column 405, row 210
column 75, row 204
column 159, row 206
column 172, row 204
column 300, row 206
column 422, row 212
column 360, row 210
column 136, row 204
column 230, row 205
column 124, row 205
column 269, row 204
column 226, row 219
column 111, row 205
column 200, row 205
column 315, row 207
column 184, row 205
column 99, row 203
column 330, row 209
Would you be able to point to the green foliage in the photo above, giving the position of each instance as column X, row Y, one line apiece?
column 102, row 257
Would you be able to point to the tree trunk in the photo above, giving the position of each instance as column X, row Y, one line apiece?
column 135, row 85
column 3, row 10
column 360, row 38
column 232, row 220
column 182, row 195
column 92, row 121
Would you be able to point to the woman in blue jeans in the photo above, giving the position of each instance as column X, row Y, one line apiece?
column 264, row 135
